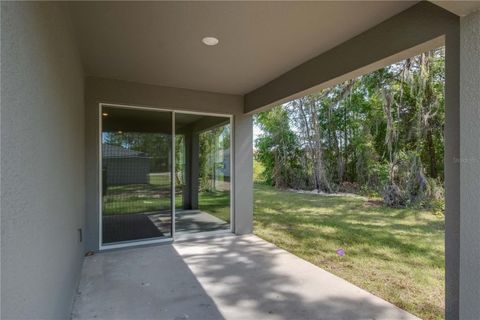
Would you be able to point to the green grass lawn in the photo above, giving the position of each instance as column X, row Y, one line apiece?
column 215, row 203
column 160, row 179
column 138, row 198
column 396, row 254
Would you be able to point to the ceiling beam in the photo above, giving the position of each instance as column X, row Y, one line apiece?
column 420, row 28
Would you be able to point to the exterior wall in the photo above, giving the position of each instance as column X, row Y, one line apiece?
column 42, row 161
column 470, row 166
column 99, row 90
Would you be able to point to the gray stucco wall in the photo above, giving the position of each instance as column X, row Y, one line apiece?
column 470, row 166
column 98, row 90
column 243, row 174
column 42, row 161
column 452, row 169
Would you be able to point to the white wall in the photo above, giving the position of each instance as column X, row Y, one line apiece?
column 470, row 166
column 42, row 161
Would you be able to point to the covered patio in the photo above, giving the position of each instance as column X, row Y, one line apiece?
column 230, row 277
column 62, row 63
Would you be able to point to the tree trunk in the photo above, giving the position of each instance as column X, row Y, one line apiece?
column 313, row 137
column 431, row 153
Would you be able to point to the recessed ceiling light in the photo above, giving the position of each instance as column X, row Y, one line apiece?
column 210, row 41
column 104, row 114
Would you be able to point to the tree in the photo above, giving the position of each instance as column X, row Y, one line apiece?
column 382, row 132
column 278, row 150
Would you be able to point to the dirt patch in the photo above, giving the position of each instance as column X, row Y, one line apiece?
column 321, row 193
column 373, row 203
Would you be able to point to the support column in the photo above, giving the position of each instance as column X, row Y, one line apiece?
column 469, row 291
column 243, row 174
column 187, row 175
column 452, row 170
column 194, row 170
column 190, row 189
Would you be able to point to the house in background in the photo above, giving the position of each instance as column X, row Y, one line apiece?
column 225, row 164
column 124, row 166
column 63, row 62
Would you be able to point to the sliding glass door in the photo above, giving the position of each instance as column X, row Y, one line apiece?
column 136, row 174
column 145, row 155
column 202, row 173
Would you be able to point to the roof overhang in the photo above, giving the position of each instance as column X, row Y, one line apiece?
column 269, row 52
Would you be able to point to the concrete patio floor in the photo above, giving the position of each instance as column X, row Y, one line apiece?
column 230, row 277
column 195, row 221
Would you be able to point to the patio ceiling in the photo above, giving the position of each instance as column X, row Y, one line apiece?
column 460, row 8
column 160, row 42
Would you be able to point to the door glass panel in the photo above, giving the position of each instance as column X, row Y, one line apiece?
column 136, row 174
column 202, row 173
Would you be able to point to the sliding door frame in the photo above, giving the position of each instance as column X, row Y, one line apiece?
column 173, row 236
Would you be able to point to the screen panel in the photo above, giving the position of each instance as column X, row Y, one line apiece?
column 136, row 147
column 202, row 173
